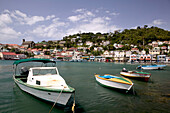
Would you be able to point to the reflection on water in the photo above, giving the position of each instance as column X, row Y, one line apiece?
column 152, row 96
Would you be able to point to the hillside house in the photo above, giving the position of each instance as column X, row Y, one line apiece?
column 28, row 44
column 88, row 43
column 154, row 44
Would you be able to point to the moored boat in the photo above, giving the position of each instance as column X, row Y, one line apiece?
column 42, row 82
column 136, row 75
column 114, row 81
column 150, row 67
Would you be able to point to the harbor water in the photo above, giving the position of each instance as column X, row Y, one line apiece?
column 148, row 97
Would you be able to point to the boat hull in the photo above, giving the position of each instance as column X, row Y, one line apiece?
column 50, row 96
column 144, row 77
column 149, row 68
column 152, row 67
column 112, row 84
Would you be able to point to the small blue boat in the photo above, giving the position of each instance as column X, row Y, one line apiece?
column 151, row 67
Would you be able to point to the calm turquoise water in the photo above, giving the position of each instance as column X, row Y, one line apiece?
column 150, row 97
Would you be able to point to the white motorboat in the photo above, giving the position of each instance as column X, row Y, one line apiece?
column 150, row 67
column 42, row 82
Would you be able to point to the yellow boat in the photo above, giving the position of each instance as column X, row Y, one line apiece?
column 112, row 81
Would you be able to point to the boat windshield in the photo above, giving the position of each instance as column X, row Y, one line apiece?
column 41, row 72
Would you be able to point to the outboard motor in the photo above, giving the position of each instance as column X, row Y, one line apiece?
column 24, row 71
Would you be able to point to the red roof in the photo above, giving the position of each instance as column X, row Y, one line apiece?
column 60, row 56
column 69, row 56
column 34, row 49
column 22, row 47
column 12, row 45
column 8, row 53
column 121, row 46
column 29, row 49
column 134, row 49
column 71, row 49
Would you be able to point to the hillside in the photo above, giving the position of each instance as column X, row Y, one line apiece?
column 127, row 36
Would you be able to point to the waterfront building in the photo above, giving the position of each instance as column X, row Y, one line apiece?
column 100, row 59
column 155, row 51
column 43, row 56
column 8, row 55
column 133, row 58
column 164, row 49
column 107, row 54
column 92, row 58
column 135, row 50
column 161, row 58
column 144, row 58
column 119, row 56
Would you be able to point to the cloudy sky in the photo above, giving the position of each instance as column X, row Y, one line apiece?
column 40, row 20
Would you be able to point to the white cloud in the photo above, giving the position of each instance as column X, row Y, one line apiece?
column 75, row 18
column 19, row 13
column 51, row 31
column 96, row 25
column 89, row 13
column 84, row 14
column 33, row 20
column 5, row 19
column 107, row 18
column 158, row 22
column 6, row 11
column 28, row 20
column 79, row 10
column 8, row 34
column 16, row 24
column 114, row 14
column 98, row 20
column 96, row 10
column 50, row 17
column 107, row 11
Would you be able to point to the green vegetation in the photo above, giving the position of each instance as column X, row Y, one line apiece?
column 127, row 36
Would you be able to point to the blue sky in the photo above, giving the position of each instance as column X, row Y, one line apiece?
column 40, row 20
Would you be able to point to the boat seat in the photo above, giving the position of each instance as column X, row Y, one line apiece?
column 107, row 76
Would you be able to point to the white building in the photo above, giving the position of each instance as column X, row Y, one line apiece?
column 105, row 43
column 155, row 51
column 119, row 56
column 73, row 40
column 107, row 54
column 89, row 43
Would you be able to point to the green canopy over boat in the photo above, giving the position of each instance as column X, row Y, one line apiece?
column 33, row 60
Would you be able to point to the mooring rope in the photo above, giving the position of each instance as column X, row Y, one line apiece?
column 73, row 110
column 133, row 90
column 56, row 100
